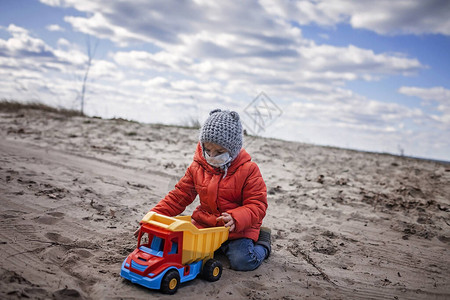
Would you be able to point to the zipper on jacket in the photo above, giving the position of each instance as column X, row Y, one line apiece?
column 213, row 193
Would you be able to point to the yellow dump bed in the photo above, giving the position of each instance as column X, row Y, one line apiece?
column 197, row 243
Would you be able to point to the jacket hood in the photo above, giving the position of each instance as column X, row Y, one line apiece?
column 241, row 159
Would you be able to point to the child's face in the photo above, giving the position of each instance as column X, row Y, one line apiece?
column 213, row 149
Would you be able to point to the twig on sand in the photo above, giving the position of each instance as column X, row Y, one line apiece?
column 296, row 249
column 310, row 261
column 38, row 249
column 74, row 245
column 51, row 244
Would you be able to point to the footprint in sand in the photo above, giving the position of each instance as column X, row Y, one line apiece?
column 50, row 219
column 324, row 246
column 67, row 294
column 47, row 220
column 56, row 237
column 56, row 214
column 12, row 214
column 252, row 285
column 81, row 247
column 83, row 253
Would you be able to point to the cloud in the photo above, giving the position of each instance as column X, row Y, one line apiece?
column 100, row 27
column 357, row 123
column 32, row 52
column 437, row 96
column 230, row 41
column 356, row 60
column 63, row 43
column 385, row 17
column 33, row 70
column 328, row 64
column 140, row 21
column 158, row 22
column 404, row 17
column 439, row 93
column 51, row 2
column 21, row 44
column 161, row 61
column 54, row 27
column 354, row 112
column 102, row 69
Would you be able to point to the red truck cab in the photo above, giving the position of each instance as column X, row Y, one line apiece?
column 157, row 250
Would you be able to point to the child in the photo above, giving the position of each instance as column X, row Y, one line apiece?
column 231, row 189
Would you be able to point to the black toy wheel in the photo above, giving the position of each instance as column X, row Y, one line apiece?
column 212, row 270
column 170, row 282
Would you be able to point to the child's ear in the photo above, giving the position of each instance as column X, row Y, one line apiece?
column 234, row 115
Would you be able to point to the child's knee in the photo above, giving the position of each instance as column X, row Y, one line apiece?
column 243, row 262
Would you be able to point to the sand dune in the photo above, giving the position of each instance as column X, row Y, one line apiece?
column 345, row 224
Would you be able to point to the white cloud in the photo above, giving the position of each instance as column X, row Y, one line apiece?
column 35, row 71
column 384, row 17
column 353, row 112
column 102, row 69
column 51, row 2
column 327, row 64
column 357, row 60
column 438, row 96
column 228, row 42
column 100, row 27
column 54, row 27
column 21, row 44
column 360, row 123
column 161, row 61
column 438, row 93
column 404, row 17
column 81, row 5
column 63, row 43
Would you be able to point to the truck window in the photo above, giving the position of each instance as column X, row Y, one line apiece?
column 151, row 244
column 144, row 239
column 157, row 244
column 174, row 248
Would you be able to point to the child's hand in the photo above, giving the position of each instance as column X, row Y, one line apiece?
column 227, row 220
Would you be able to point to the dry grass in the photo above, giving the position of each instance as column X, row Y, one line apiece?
column 13, row 106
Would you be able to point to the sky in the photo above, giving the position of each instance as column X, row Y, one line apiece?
column 364, row 75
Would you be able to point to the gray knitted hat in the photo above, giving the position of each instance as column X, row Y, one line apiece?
column 223, row 128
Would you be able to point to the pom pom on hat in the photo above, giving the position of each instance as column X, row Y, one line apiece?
column 223, row 128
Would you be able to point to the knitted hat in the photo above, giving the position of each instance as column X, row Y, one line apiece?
column 223, row 128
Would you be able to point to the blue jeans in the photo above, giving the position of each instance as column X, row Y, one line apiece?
column 244, row 254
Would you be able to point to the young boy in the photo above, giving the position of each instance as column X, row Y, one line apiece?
column 231, row 189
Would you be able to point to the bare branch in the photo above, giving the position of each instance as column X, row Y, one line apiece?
column 90, row 54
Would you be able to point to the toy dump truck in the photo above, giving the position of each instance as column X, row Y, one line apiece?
column 171, row 250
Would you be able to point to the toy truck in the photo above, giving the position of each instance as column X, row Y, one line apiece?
column 171, row 250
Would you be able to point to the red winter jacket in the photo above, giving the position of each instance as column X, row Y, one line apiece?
column 242, row 194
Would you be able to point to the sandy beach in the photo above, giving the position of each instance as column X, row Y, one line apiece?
column 345, row 224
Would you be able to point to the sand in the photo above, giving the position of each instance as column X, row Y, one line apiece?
column 345, row 224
